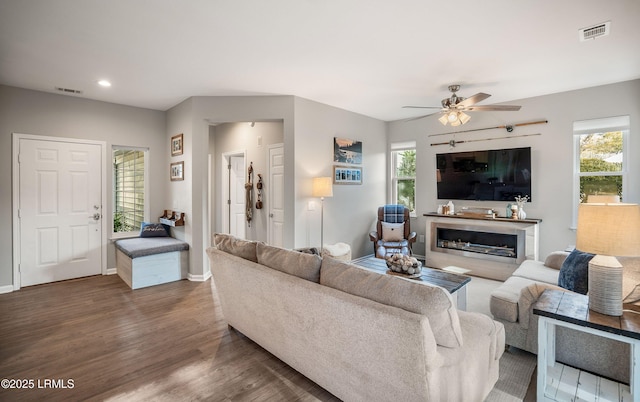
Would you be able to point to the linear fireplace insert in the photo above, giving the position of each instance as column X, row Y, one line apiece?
column 491, row 243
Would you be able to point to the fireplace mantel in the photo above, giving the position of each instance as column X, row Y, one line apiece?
column 467, row 256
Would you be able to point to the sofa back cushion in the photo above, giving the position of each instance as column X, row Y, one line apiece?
column 302, row 265
column 240, row 248
column 417, row 297
column 555, row 259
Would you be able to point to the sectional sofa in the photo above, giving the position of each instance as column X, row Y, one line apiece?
column 361, row 335
column 512, row 304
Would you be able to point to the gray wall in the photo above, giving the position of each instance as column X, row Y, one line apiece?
column 552, row 152
column 40, row 113
column 232, row 137
column 351, row 213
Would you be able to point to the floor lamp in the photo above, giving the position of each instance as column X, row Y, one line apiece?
column 322, row 187
column 608, row 231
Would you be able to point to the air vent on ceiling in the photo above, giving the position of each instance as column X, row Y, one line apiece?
column 595, row 31
column 69, row 90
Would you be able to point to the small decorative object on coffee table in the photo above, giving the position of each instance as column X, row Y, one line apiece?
column 404, row 265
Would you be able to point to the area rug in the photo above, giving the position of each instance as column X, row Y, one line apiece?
column 516, row 366
column 516, row 369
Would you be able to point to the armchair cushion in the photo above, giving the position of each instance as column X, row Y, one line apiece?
column 392, row 231
column 574, row 274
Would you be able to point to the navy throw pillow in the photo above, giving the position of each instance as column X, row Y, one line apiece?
column 574, row 273
column 154, row 230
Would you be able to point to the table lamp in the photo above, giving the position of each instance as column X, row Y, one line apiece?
column 608, row 231
column 322, row 187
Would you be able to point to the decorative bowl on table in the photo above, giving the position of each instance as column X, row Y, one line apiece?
column 403, row 265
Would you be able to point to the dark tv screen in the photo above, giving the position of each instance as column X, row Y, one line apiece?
column 492, row 175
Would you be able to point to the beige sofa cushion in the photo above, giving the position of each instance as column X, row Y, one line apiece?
column 302, row 265
column 418, row 297
column 504, row 299
column 537, row 271
column 555, row 259
column 239, row 247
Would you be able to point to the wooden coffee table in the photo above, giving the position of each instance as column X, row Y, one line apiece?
column 453, row 283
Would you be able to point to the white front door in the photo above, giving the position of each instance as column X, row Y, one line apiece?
column 237, row 203
column 60, row 210
column 275, row 193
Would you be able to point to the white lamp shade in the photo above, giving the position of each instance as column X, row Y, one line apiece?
column 322, row 187
column 609, row 229
column 603, row 198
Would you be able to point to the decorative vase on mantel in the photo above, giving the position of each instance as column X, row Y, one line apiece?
column 520, row 201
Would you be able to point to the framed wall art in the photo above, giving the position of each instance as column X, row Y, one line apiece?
column 176, row 145
column 347, row 151
column 347, row 175
column 176, row 171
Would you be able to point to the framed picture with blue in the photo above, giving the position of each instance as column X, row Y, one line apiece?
column 347, row 175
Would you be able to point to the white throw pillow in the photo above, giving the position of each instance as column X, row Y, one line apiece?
column 392, row 231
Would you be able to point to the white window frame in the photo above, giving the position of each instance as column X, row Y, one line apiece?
column 595, row 126
column 395, row 149
column 146, row 208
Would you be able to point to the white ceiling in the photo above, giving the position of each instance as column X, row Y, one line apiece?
column 367, row 56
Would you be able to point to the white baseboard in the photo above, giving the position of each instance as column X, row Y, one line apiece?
column 6, row 289
column 199, row 278
column 112, row 271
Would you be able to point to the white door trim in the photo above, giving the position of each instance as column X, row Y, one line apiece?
column 15, row 193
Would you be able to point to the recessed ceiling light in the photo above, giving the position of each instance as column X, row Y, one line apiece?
column 104, row 83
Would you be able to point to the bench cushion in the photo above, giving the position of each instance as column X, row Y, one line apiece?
column 140, row 247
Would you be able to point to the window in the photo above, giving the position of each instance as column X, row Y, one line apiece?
column 129, row 184
column 403, row 175
column 600, row 148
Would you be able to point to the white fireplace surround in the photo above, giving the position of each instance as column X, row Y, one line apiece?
column 498, row 267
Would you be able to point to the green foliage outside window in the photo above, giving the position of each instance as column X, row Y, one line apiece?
column 598, row 154
column 406, row 183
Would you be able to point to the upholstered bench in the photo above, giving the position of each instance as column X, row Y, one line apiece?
column 148, row 261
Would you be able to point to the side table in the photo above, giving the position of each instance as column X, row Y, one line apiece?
column 571, row 310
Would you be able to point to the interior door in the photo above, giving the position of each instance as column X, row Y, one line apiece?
column 237, row 216
column 275, row 226
column 60, row 210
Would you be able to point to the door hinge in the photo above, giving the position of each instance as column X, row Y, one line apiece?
column 229, row 167
column 228, row 202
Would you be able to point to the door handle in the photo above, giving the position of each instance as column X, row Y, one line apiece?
column 270, row 215
column 96, row 216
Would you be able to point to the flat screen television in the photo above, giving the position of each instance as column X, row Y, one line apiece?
column 492, row 175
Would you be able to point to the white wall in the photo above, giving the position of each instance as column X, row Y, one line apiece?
column 351, row 213
column 232, row 137
column 41, row 113
column 552, row 152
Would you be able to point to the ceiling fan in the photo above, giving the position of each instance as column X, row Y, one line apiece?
column 453, row 108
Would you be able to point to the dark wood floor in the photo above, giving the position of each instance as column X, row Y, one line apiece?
column 166, row 342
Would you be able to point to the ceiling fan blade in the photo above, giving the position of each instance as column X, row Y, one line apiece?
column 419, row 117
column 472, row 100
column 422, row 107
column 503, row 108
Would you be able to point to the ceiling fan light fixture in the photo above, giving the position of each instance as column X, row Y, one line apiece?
column 455, row 123
column 452, row 117
column 443, row 119
column 463, row 117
